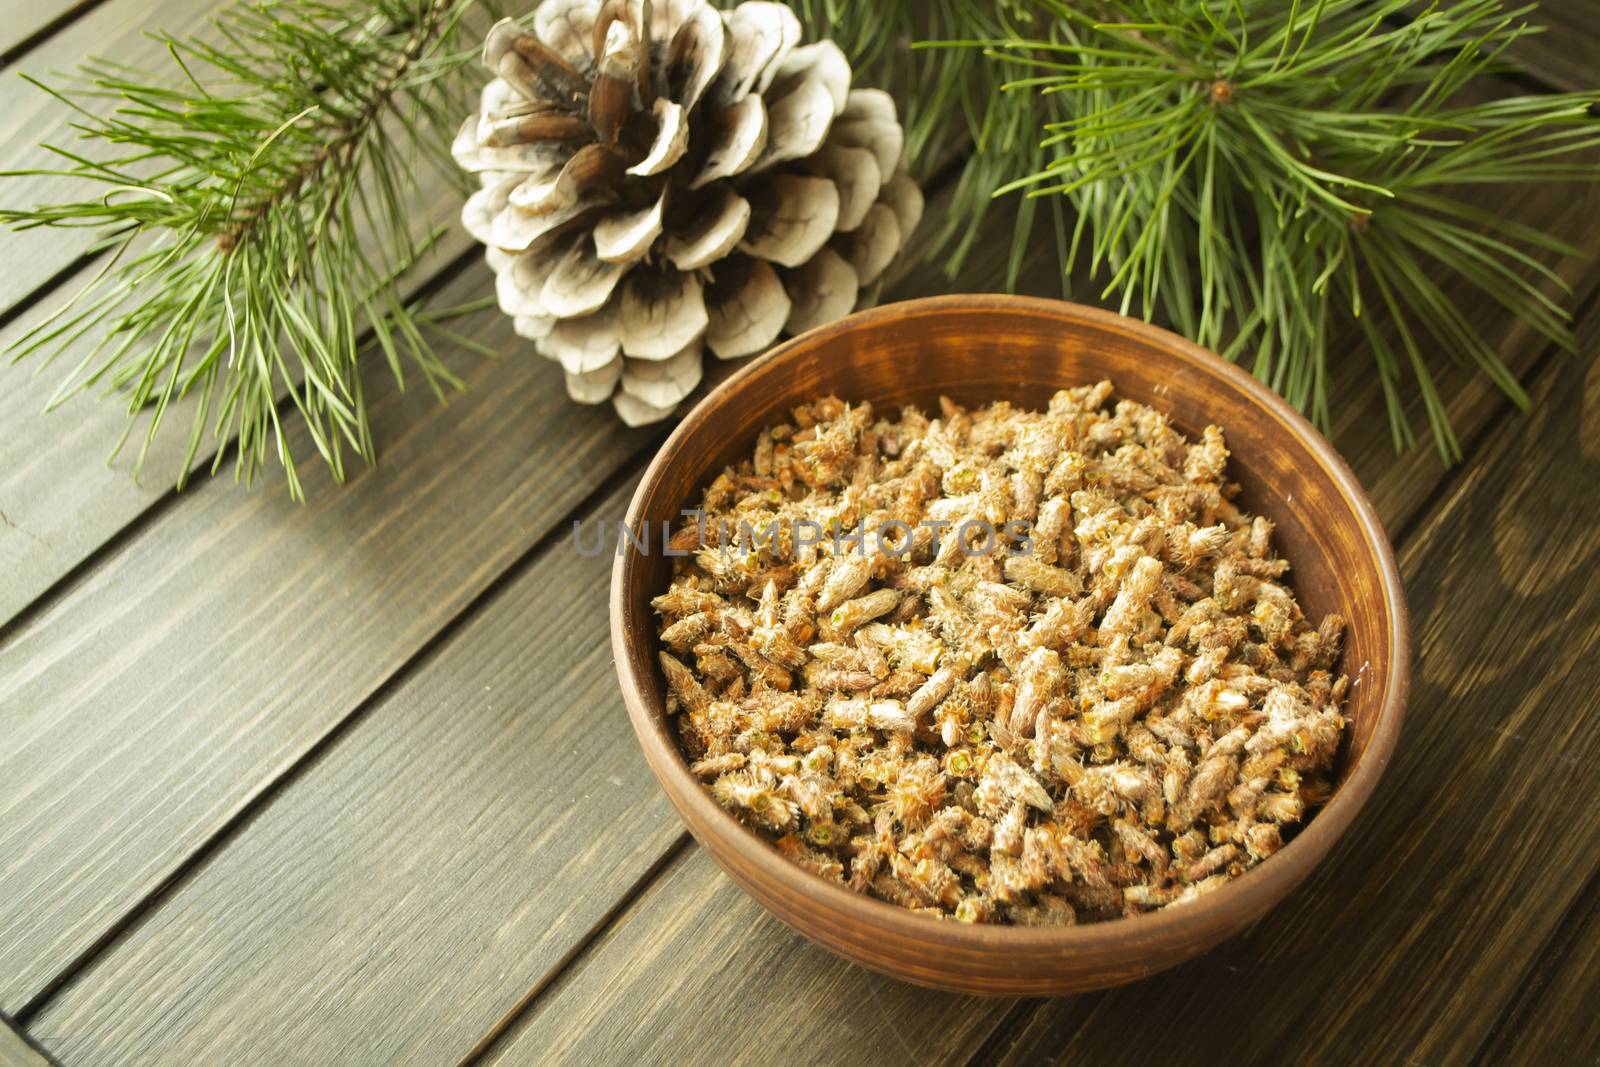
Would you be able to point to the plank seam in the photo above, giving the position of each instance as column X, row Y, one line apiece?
column 199, row 475
column 29, row 1040
column 1476, row 443
column 256, row 803
column 1528, row 81
column 580, row 948
column 1479, row 441
column 36, row 296
column 1004, row 1035
column 48, row 30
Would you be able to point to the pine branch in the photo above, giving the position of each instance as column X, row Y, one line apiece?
column 1256, row 173
column 255, row 206
column 1259, row 172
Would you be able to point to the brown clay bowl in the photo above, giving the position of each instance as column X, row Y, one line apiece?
column 978, row 349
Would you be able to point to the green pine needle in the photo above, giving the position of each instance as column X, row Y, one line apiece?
column 1260, row 172
column 254, row 209
column 1257, row 172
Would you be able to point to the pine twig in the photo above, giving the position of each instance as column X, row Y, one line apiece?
column 1258, row 173
column 256, row 214
column 1240, row 168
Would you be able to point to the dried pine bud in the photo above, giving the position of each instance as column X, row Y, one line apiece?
column 1143, row 662
column 931, row 692
column 681, row 681
column 853, row 613
column 1041, row 677
column 1015, row 783
column 975, row 909
column 848, row 577
column 1032, row 573
column 918, row 791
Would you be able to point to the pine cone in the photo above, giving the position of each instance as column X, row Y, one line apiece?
column 663, row 178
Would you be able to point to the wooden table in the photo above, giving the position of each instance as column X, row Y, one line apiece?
column 350, row 782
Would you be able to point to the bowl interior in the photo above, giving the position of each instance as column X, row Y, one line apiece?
column 978, row 350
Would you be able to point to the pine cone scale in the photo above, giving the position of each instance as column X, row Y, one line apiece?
column 671, row 140
column 567, row 26
column 581, row 282
column 827, row 288
column 712, row 234
column 662, row 314
column 854, row 173
column 792, row 218
column 739, row 136
column 748, row 311
column 626, row 236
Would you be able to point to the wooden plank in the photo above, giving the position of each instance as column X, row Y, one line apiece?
column 1552, row 1019
column 59, row 499
column 15, row 1051
column 21, row 21
column 195, row 663
column 696, row 972
column 444, row 854
column 573, row 673
column 1420, row 927
column 625, row 989
column 255, row 876
column 1563, row 56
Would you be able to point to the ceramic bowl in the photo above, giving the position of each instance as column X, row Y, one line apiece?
column 978, row 349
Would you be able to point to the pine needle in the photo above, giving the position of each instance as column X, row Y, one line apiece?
column 1258, row 173
column 255, row 205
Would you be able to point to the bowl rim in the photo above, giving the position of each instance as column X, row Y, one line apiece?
column 1252, row 892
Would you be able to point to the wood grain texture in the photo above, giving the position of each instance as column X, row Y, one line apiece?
column 15, row 1052
column 1418, row 931
column 191, row 666
column 1563, row 56
column 21, row 21
column 443, row 856
column 60, row 499
column 1553, row 1017
column 696, row 972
